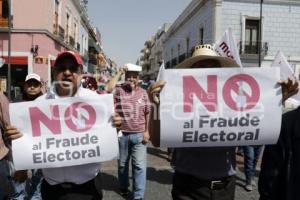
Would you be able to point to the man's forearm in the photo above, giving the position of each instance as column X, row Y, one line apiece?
column 109, row 87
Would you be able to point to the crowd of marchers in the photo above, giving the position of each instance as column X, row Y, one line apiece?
column 200, row 173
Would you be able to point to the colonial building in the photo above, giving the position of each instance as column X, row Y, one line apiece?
column 204, row 21
column 152, row 53
column 39, row 31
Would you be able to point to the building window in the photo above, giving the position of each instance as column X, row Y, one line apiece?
column 67, row 27
column 201, row 36
column 252, row 36
column 55, row 25
column 187, row 47
column 4, row 13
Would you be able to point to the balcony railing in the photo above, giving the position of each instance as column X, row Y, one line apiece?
column 252, row 49
column 61, row 32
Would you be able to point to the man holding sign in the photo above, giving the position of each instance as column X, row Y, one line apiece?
column 81, row 181
column 206, row 173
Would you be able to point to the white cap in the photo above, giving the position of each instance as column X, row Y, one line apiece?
column 33, row 76
column 133, row 68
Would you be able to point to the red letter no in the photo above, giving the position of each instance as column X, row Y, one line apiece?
column 37, row 117
column 191, row 87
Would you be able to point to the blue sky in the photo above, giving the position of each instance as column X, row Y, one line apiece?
column 125, row 25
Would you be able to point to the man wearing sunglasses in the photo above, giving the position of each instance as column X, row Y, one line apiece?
column 73, row 182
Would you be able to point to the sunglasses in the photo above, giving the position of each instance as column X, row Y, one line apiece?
column 71, row 68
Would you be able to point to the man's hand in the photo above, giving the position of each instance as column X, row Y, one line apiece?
column 146, row 137
column 289, row 88
column 122, row 70
column 117, row 120
column 12, row 133
column 154, row 90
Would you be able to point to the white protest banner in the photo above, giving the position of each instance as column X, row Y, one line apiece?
column 220, row 107
column 64, row 132
column 226, row 47
column 286, row 72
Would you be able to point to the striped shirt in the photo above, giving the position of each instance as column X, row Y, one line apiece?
column 133, row 107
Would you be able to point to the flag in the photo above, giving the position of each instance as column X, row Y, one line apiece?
column 226, row 47
column 160, row 75
column 286, row 72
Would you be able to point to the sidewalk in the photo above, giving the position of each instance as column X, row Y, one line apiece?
column 159, row 179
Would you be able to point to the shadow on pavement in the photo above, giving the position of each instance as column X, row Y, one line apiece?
column 160, row 176
column 240, row 182
column 109, row 182
column 157, row 152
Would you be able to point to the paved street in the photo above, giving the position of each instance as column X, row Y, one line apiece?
column 159, row 179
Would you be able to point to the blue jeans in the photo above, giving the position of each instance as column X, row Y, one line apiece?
column 251, row 155
column 29, row 189
column 130, row 145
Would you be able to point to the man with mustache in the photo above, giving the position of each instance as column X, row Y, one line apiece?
column 133, row 105
column 73, row 182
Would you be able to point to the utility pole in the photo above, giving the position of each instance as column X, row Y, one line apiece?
column 9, row 52
column 260, row 35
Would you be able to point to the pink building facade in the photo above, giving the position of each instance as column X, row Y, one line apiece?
column 41, row 30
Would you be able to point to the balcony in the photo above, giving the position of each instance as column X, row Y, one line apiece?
column 61, row 33
column 250, row 50
column 71, row 41
column 3, row 22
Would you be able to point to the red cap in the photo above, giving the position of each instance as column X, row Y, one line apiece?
column 72, row 54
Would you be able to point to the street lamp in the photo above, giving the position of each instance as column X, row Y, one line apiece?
column 260, row 34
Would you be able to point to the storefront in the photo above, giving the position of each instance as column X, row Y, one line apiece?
column 19, row 69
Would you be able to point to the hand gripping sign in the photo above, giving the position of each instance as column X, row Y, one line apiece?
column 64, row 132
column 220, row 107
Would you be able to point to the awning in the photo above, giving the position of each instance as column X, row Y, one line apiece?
column 16, row 60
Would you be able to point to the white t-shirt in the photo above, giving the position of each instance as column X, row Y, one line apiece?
column 78, row 174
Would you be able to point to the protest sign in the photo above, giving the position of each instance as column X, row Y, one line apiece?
column 64, row 132
column 220, row 107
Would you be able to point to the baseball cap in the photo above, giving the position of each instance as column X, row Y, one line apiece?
column 33, row 76
column 72, row 54
column 133, row 68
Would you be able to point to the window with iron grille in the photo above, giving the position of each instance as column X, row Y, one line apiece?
column 252, row 36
